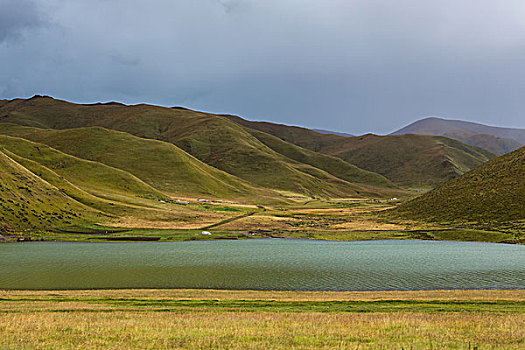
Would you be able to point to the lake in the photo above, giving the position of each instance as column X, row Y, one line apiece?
column 274, row 264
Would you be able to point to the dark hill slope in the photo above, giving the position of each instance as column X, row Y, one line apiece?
column 302, row 137
column 494, row 139
column 409, row 160
column 214, row 140
column 494, row 192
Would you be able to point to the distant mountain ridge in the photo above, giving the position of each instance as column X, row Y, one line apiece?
column 495, row 139
column 333, row 132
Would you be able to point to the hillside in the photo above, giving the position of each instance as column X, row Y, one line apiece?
column 408, row 160
column 332, row 165
column 98, row 179
column 494, row 139
column 161, row 165
column 214, row 140
column 28, row 202
column 492, row 193
column 228, row 143
column 34, row 197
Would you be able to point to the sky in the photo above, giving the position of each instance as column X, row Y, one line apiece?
column 353, row 66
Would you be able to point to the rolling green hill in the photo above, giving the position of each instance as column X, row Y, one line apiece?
column 161, row 165
column 408, row 160
column 230, row 144
column 332, row 165
column 214, row 140
column 98, row 179
column 492, row 193
column 29, row 202
column 34, row 197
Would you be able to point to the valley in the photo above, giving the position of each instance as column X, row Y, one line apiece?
column 111, row 172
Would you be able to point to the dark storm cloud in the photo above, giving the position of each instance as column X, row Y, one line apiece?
column 354, row 66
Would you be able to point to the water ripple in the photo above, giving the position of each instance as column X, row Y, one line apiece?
column 264, row 264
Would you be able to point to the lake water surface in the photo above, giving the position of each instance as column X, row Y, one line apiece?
column 277, row 264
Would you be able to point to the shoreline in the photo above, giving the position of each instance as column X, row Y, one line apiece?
column 449, row 234
column 249, row 294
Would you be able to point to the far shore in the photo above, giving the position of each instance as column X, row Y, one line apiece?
column 462, row 234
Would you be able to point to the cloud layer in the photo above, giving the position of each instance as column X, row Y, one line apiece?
column 354, row 66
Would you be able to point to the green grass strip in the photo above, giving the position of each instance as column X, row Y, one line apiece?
column 166, row 305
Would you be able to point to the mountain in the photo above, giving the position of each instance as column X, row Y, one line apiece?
column 494, row 139
column 492, row 193
column 212, row 139
column 332, row 132
column 408, row 160
column 332, row 165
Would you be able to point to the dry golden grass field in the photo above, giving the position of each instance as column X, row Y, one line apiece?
column 218, row 319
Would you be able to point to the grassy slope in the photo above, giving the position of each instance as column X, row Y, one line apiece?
column 494, row 144
column 28, row 202
column 110, row 208
column 409, row 160
column 95, row 178
column 159, row 164
column 332, row 165
column 214, row 140
column 229, row 147
column 495, row 192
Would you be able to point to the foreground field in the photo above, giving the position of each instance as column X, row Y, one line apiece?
column 191, row 319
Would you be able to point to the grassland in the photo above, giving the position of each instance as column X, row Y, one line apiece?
column 231, row 144
column 255, row 319
column 27, row 201
column 332, row 165
column 38, row 201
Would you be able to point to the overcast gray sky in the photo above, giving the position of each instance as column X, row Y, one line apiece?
column 348, row 65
